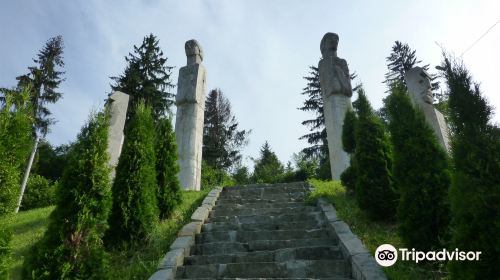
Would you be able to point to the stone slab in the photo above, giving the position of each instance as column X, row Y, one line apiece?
column 183, row 242
column 163, row 274
column 190, row 229
column 201, row 213
column 172, row 259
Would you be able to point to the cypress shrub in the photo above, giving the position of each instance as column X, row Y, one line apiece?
column 135, row 212
column 5, row 252
column 421, row 175
column 72, row 245
column 40, row 192
column 372, row 158
column 348, row 177
column 167, row 168
column 475, row 190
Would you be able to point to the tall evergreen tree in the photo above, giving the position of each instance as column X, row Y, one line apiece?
column 167, row 168
column 135, row 212
column 43, row 80
column 147, row 77
column 72, row 245
column 373, row 163
column 348, row 177
column 401, row 59
column 268, row 168
column 421, row 175
column 475, row 189
column 222, row 141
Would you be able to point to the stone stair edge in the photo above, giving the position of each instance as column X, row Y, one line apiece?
column 363, row 264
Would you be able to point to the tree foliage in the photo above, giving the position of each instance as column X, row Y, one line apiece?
column 72, row 245
column 373, row 163
column 51, row 160
column 15, row 144
column 222, row 141
column 40, row 192
column 135, row 212
column 421, row 175
column 475, row 190
column 44, row 79
column 167, row 168
column 348, row 177
column 148, row 78
column 268, row 168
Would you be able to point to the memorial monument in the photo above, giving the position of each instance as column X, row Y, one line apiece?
column 419, row 86
column 336, row 91
column 190, row 103
column 117, row 105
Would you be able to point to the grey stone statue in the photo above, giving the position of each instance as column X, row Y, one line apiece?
column 190, row 101
column 419, row 87
column 336, row 91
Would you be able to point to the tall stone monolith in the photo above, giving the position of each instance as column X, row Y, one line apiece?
column 419, row 87
column 336, row 91
column 190, row 103
column 117, row 105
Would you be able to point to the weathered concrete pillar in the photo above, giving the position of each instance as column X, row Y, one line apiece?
column 117, row 106
column 189, row 121
column 419, row 87
column 336, row 92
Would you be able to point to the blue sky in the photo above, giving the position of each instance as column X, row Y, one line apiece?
column 256, row 51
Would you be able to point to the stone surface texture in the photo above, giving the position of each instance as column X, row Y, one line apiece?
column 189, row 121
column 117, row 105
column 268, row 231
column 336, row 91
column 419, row 87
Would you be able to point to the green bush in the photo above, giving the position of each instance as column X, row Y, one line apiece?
column 40, row 192
column 72, row 245
column 421, row 175
column 268, row 168
column 372, row 158
column 5, row 252
column 167, row 168
column 135, row 211
column 348, row 177
column 475, row 190
column 212, row 177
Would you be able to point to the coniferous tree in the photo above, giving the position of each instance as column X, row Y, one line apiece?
column 43, row 81
column 72, row 245
column 222, row 141
column 268, row 168
column 148, row 78
column 373, row 164
column 348, row 177
column 475, row 189
column 401, row 59
column 167, row 168
column 421, row 175
column 135, row 212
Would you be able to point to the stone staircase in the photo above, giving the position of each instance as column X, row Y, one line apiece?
column 265, row 231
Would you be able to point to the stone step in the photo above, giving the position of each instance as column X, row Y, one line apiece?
column 223, row 226
column 267, row 218
column 246, row 236
column 260, row 186
column 262, row 211
column 240, row 278
column 263, row 191
column 290, row 269
column 260, row 205
column 228, row 201
column 280, row 255
column 218, row 248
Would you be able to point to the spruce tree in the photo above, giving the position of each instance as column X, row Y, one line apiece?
column 135, row 212
column 475, row 190
column 421, row 175
column 268, row 168
column 167, row 168
column 222, row 141
column 72, row 245
column 148, row 78
column 372, row 158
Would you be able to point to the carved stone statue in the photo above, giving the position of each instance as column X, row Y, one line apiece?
column 419, row 87
column 336, row 91
column 190, row 101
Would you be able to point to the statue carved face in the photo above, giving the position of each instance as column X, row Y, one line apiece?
column 425, row 83
column 329, row 44
column 194, row 52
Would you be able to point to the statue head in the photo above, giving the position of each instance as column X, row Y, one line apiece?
column 194, row 52
column 329, row 44
column 420, row 81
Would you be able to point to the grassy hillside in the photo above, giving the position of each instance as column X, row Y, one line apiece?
column 140, row 263
column 373, row 234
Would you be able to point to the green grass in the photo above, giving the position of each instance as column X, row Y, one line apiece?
column 373, row 233
column 138, row 263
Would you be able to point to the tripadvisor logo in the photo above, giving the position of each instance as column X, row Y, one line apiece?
column 387, row 255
